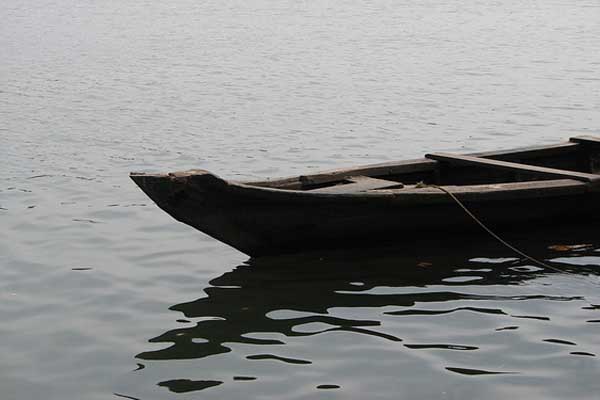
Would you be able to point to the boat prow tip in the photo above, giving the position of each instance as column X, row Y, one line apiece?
column 190, row 178
column 177, row 174
column 138, row 177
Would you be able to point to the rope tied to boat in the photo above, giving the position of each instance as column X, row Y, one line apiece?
column 497, row 237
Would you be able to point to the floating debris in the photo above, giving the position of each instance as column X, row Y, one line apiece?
column 571, row 247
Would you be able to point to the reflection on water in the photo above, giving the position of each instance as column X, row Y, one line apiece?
column 471, row 310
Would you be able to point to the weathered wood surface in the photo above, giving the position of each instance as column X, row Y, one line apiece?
column 358, row 184
column 375, row 170
column 416, row 196
column 511, row 166
column 416, row 166
column 269, row 218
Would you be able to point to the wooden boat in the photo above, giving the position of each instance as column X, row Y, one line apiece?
column 389, row 202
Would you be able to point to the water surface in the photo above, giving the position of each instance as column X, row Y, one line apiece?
column 102, row 293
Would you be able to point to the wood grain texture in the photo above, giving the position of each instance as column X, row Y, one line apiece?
column 358, row 184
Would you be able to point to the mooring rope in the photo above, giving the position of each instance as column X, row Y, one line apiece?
column 497, row 237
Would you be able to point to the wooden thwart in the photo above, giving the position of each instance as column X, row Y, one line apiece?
column 359, row 184
column 512, row 166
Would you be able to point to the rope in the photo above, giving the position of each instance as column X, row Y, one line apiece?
column 498, row 238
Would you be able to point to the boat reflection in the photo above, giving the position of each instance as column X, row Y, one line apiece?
column 278, row 295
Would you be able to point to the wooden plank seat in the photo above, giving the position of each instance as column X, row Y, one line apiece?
column 357, row 184
column 551, row 173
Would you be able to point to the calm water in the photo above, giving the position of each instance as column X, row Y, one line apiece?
column 103, row 295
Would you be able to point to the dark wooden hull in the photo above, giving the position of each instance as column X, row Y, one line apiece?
column 260, row 220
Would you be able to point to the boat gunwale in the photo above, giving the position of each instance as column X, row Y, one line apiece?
column 273, row 188
column 418, row 165
column 432, row 194
column 409, row 195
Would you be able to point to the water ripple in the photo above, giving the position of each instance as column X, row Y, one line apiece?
column 278, row 358
column 476, row 372
column 440, row 312
column 187, row 385
column 259, row 88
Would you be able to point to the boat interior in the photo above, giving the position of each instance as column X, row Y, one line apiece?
column 578, row 160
